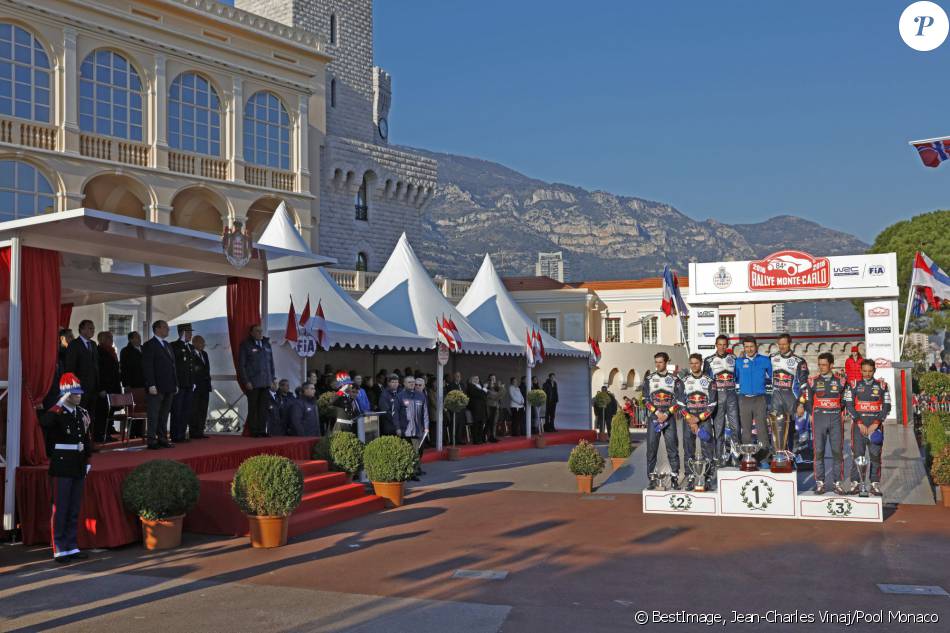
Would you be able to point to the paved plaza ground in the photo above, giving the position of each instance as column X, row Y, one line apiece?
column 571, row 564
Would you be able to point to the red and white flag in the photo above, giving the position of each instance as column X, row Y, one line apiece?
column 319, row 325
column 538, row 347
column 291, row 334
column 305, row 315
column 529, row 346
column 444, row 336
column 594, row 349
column 454, row 331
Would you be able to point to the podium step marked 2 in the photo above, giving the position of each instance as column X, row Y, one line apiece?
column 763, row 494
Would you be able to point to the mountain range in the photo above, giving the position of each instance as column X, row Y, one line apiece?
column 480, row 206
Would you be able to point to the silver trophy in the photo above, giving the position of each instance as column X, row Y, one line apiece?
column 749, row 463
column 864, row 470
column 699, row 468
column 778, row 430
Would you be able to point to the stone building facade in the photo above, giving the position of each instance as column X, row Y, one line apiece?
column 369, row 193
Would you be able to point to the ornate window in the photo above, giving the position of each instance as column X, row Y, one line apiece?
column 24, row 75
column 362, row 261
column 24, row 191
column 333, row 28
column 333, row 93
column 110, row 96
column 194, row 115
column 362, row 201
column 266, row 131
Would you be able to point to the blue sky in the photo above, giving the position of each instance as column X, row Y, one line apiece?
column 732, row 110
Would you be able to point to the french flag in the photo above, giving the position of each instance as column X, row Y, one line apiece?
column 931, row 285
column 672, row 299
column 932, row 152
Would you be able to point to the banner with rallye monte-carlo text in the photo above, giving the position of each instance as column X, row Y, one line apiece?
column 791, row 274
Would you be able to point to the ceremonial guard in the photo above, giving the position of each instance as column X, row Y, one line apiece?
column 185, row 372
column 869, row 403
column 698, row 402
column 789, row 376
column 660, row 389
column 824, row 401
column 67, row 427
column 721, row 367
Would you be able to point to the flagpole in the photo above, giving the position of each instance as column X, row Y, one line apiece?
column 907, row 311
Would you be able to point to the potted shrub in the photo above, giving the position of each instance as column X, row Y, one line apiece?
column 455, row 401
column 619, row 448
column 161, row 492
column 390, row 462
column 585, row 462
column 940, row 473
column 321, row 450
column 346, row 453
column 536, row 399
column 328, row 409
column 600, row 401
column 268, row 489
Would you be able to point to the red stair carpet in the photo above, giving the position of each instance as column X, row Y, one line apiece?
column 328, row 498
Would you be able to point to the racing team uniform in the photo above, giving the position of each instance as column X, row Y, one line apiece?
column 824, row 400
column 660, row 392
column 868, row 401
column 789, row 376
column 698, row 396
column 722, row 369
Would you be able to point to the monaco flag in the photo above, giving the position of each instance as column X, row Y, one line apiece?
column 933, row 151
column 319, row 326
column 454, row 331
column 443, row 334
column 931, row 285
column 291, row 333
column 529, row 346
column 594, row 349
column 538, row 347
column 305, row 315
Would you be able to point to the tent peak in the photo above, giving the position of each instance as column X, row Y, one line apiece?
column 282, row 233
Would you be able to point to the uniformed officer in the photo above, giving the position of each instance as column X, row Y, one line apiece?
column 68, row 436
column 869, row 403
column 824, row 400
column 304, row 414
column 185, row 361
column 659, row 397
column 698, row 399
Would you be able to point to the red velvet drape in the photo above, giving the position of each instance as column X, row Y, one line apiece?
column 244, row 310
column 39, row 327
column 65, row 314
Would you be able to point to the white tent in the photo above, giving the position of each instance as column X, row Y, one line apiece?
column 404, row 295
column 489, row 307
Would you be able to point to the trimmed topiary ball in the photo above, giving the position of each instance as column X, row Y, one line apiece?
column 346, row 452
column 160, row 489
column 585, row 459
column 267, row 485
column 390, row 459
column 537, row 397
column 455, row 400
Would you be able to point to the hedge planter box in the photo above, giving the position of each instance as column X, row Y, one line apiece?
column 585, row 484
column 162, row 533
column 268, row 532
column 392, row 492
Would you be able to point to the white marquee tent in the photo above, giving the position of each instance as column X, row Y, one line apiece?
column 489, row 307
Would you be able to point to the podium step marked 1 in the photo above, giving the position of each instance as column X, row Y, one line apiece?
column 763, row 494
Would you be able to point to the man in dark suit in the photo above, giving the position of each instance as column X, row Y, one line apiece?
column 109, row 382
column 185, row 372
column 199, row 405
column 158, row 367
column 550, row 407
column 130, row 362
column 82, row 359
column 257, row 375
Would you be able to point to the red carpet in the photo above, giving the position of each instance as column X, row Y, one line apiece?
column 328, row 498
column 506, row 444
column 103, row 521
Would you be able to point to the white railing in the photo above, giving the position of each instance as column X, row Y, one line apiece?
column 28, row 134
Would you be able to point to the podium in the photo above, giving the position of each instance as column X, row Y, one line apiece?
column 763, row 494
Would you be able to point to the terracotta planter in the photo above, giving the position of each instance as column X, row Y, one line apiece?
column 392, row 492
column 585, row 484
column 539, row 441
column 267, row 532
column 162, row 533
column 945, row 493
column 617, row 462
column 454, row 453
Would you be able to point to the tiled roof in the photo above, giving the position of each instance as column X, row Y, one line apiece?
column 627, row 284
column 533, row 283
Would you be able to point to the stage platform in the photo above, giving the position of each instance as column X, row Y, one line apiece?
column 103, row 521
column 506, row 444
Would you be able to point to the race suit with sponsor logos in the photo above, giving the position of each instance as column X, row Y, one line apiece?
column 868, row 403
column 699, row 398
column 824, row 400
column 660, row 391
column 722, row 369
column 789, row 377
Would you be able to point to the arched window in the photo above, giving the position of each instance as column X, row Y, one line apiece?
column 194, row 115
column 361, row 261
column 24, row 191
column 333, row 93
column 266, row 131
column 333, row 28
column 362, row 201
column 110, row 96
column 24, row 75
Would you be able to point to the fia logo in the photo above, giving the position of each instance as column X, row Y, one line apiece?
column 875, row 270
